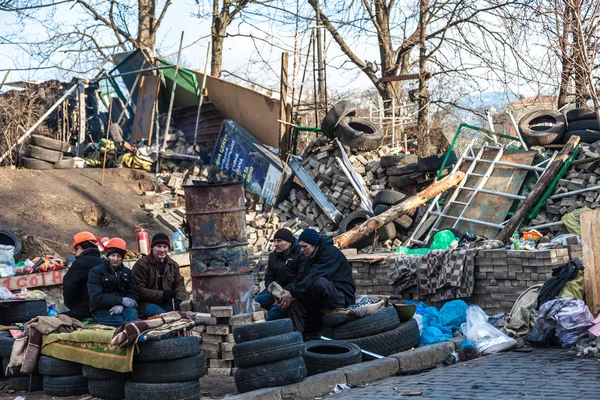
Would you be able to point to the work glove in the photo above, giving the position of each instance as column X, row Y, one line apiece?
column 116, row 310
column 129, row 303
column 168, row 295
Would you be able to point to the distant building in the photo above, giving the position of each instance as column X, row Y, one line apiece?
column 520, row 108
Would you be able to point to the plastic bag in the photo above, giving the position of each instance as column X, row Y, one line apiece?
column 5, row 294
column 433, row 330
column 453, row 314
column 421, row 307
column 570, row 317
column 487, row 338
column 432, row 335
column 442, row 240
column 467, row 350
column 7, row 261
column 411, row 252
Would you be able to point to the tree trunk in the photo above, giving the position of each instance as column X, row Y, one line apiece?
column 216, row 62
column 566, row 61
column 424, row 138
column 146, row 23
column 579, row 61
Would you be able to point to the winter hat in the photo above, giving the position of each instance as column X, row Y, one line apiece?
column 285, row 234
column 310, row 236
column 160, row 238
column 117, row 251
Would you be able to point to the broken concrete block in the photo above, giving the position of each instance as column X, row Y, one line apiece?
column 241, row 319
column 218, row 330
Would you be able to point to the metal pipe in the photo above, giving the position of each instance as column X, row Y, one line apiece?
column 561, row 195
column 542, row 226
column 508, row 164
column 202, row 93
column 512, row 119
column 369, row 353
column 172, row 99
column 508, row 195
column 473, row 221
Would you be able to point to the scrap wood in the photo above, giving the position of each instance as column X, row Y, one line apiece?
column 366, row 228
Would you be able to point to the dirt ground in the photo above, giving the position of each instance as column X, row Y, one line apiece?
column 46, row 208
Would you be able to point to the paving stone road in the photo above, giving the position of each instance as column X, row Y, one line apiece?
column 540, row 374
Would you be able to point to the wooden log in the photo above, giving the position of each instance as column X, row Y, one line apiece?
column 538, row 190
column 590, row 237
column 363, row 230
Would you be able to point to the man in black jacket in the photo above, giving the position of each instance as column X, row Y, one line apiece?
column 325, row 281
column 75, row 291
column 282, row 268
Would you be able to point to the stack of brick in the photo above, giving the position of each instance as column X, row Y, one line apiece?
column 216, row 337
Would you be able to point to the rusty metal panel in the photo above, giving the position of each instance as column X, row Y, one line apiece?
column 236, row 290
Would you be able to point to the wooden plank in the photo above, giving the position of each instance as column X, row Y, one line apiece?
column 590, row 235
column 143, row 122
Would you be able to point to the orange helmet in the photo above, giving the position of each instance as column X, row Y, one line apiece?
column 83, row 237
column 116, row 243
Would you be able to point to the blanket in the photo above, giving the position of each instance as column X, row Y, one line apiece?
column 128, row 334
column 26, row 349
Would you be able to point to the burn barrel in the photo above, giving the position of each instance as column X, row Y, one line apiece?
column 221, row 275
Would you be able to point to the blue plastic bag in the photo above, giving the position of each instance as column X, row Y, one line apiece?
column 433, row 330
column 453, row 314
column 421, row 307
column 432, row 335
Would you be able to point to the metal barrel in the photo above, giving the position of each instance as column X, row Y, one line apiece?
column 216, row 215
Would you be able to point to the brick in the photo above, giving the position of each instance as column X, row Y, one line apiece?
column 212, row 354
column 218, row 330
column 229, row 338
column 212, row 338
column 199, row 328
column 227, row 355
column 221, row 311
column 216, row 363
column 210, row 346
column 218, row 371
column 240, row 319
column 206, row 319
column 258, row 315
column 225, row 347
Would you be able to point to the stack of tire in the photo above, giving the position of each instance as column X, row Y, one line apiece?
column 267, row 355
column 47, row 153
column 22, row 311
column 62, row 378
column 167, row 369
column 380, row 333
column 326, row 355
column 104, row 383
column 408, row 170
column 542, row 127
column 358, row 134
column 582, row 122
column 17, row 381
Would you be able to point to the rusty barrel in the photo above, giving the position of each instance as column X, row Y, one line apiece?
column 221, row 275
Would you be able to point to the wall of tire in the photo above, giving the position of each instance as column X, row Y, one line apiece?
column 46, row 153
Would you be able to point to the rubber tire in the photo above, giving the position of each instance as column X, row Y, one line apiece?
column 168, row 349
column 317, row 363
column 11, row 239
column 359, row 134
column 404, row 337
column 382, row 321
column 431, row 163
column 65, row 163
column 32, row 163
column 403, row 170
column 6, row 344
column 584, row 136
column 4, row 333
column 246, row 333
column 23, row 311
column 269, row 375
column 398, row 160
column 63, row 386
column 578, row 114
column 106, row 374
column 180, row 370
column 49, row 366
column 403, row 180
column 386, row 232
column 162, row 391
column 108, row 389
column 353, row 219
column 49, row 143
column 388, row 198
column 268, row 350
column 334, row 116
column 333, row 320
column 39, row 153
column 584, row 124
column 27, row 383
column 549, row 135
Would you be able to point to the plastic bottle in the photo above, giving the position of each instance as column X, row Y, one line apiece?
column 516, row 241
column 178, row 241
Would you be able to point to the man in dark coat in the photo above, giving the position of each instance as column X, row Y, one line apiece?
column 283, row 266
column 75, row 291
column 325, row 282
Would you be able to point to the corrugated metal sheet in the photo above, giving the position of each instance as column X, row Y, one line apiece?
column 208, row 127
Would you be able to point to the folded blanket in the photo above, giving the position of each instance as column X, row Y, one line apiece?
column 128, row 334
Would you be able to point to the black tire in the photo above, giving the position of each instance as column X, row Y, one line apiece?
column 579, row 114
column 23, row 311
column 359, row 134
column 32, row 163
column 6, row 344
column 398, row 160
column 4, row 333
column 65, row 163
column 534, row 134
column 382, row 321
column 326, row 355
column 27, row 383
column 403, row 170
column 388, row 198
column 268, row 350
column 353, row 219
column 48, row 143
column 334, row 116
column 431, row 163
column 168, row 349
column 162, row 391
column 333, row 320
column 403, row 180
column 584, row 136
column 404, row 337
column 100, row 374
column 386, row 232
column 11, row 239
column 584, row 124
column 180, row 370
column 246, row 333
column 39, row 153
column 49, row 366
column 108, row 389
column 13, row 371
column 269, row 375
column 63, row 386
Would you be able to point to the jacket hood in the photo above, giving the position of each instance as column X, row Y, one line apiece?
column 90, row 252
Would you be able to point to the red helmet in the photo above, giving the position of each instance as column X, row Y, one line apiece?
column 116, row 243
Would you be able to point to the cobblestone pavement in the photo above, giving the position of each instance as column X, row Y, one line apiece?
column 540, row 374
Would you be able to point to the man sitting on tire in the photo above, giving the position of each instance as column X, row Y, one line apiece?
column 159, row 283
column 75, row 291
column 281, row 268
column 325, row 282
column 113, row 295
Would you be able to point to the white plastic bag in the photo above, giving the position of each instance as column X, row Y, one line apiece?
column 7, row 261
column 485, row 335
column 5, row 294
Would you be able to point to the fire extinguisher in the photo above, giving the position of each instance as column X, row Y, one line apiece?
column 143, row 241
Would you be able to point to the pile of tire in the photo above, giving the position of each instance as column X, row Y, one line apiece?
column 326, row 355
column 22, row 311
column 167, row 369
column 17, row 381
column 408, row 170
column 358, row 134
column 582, row 122
column 542, row 127
column 104, row 383
column 267, row 355
column 62, row 378
column 380, row 333
column 47, row 153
